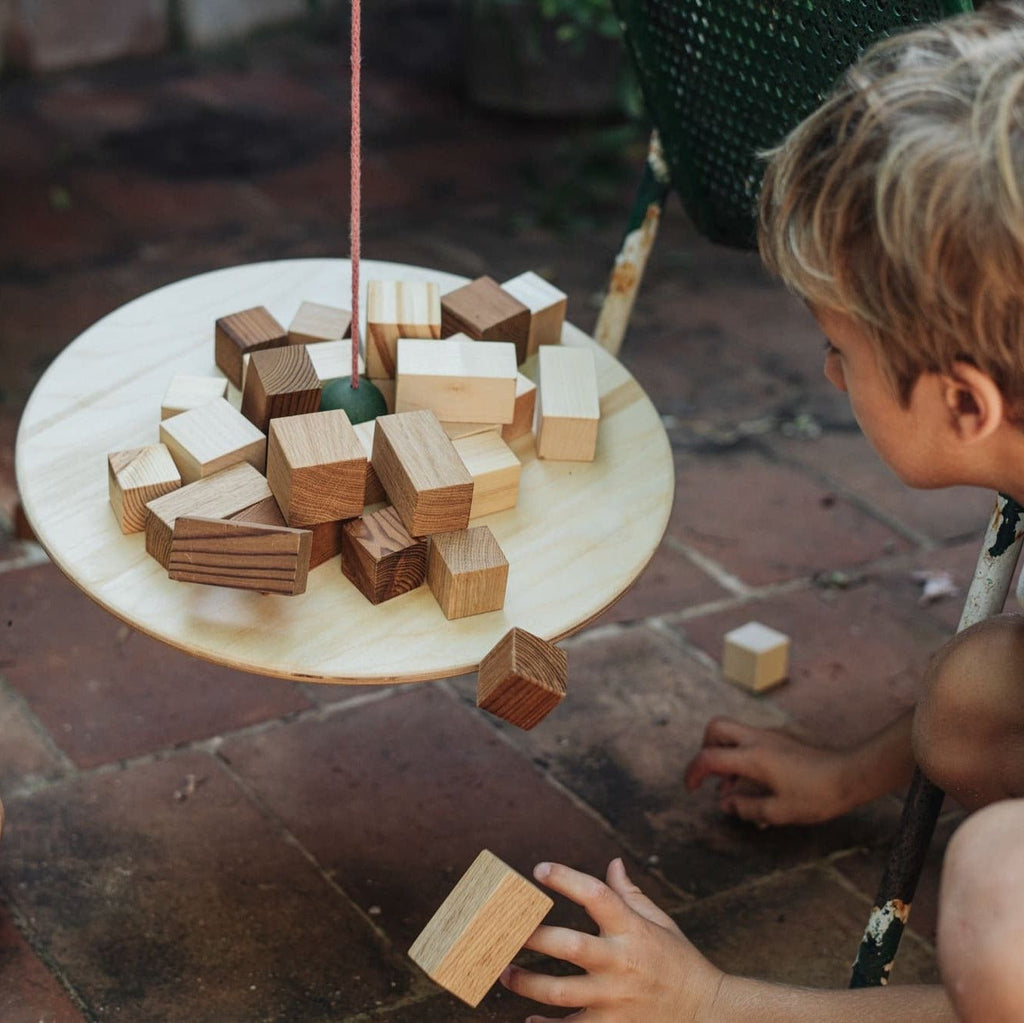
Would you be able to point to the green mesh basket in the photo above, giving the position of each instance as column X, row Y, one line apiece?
column 724, row 79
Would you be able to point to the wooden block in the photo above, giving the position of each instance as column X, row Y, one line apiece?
column 467, row 572
column 397, row 309
column 266, row 513
column 526, row 403
column 137, row 476
column 522, row 679
column 217, row 497
column 459, row 381
column 568, row 405
column 387, row 388
column 484, row 311
column 209, row 438
column 245, row 332
column 374, row 491
column 187, row 392
column 547, row 307
column 495, row 471
column 332, row 359
column 421, row 472
column 755, row 656
column 280, row 382
column 316, row 467
column 314, row 323
column 479, row 928
column 380, row 557
column 326, row 536
column 456, row 431
column 239, row 555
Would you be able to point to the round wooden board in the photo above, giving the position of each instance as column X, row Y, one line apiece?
column 579, row 537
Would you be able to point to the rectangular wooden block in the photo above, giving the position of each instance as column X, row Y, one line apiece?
column 333, row 359
column 495, row 470
column 374, row 493
column 568, row 404
column 526, row 404
column 280, row 382
column 755, row 656
column 239, row 555
column 209, row 438
column 479, row 928
column 326, row 536
column 456, row 431
column 483, row 310
column 397, row 309
column 314, row 323
column 380, row 557
column 187, row 391
column 264, row 513
column 459, row 381
column 547, row 307
column 242, row 333
column 137, row 476
column 467, row 572
column 421, row 472
column 522, row 679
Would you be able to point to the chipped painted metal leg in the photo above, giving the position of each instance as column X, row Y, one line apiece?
column 987, row 594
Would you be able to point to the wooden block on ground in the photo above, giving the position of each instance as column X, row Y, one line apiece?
column 316, row 467
column 188, row 392
column 526, row 403
column 421, row 472
column 280, row 382
column 467, row 572
column 239, row 555
column 397, row 309
column 137, row 476
column 314, row 323
column 479, row 928
column 568, row 404
column 459, row 381
column 380, row 557
column 547, row 307
column 242, row 333
column 522, row 679
column 755, row 656
column 484, row 311
column 495, row 470
column 209, row 438
column 217, row 497
column 332, row 359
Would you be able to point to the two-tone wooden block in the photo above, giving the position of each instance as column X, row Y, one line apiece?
column 522, row 679
column 495, row 470
column 547, row 307
column 755, row 656
column 314, row 323
column 316, row 467
column 467, row 572
column 568, row 404
column 525, row 407
column 483, row 310
column 243, row 333
column 187, row 391
column 280, row 382
column 479, row 928
column 380, row 557
column 135, row 477
column 209, row 438
column 397, row 309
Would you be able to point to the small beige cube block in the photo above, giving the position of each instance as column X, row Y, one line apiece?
column 397, row 309
column 495, row 470
column 568, row 404
column 314, row 323
column 137, row 476
column 188, row 392
column 467, row 572
column 755, row 656
column 209, row 438
column 547, row 307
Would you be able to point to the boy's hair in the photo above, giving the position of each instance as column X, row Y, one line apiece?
column 900, row 201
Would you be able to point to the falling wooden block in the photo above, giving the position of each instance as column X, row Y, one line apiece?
column 755, row 656
column 483, row 310
column 209, row 438
column 459, row 381
column 137, row 476
column 333, row 359
column 547, row 307
column 374, row 493
column 316, row 467
column 495, row 470
column 568, row 404
column 243, row 333
column 526, row 403
column 467, row 572
column 239, row 555
column 188, row 392
column 397, row 309
column 314, row 323
column 217, row 497
column 479, row 928
column 522, row 679
column 280, row 382
column 421, row 472
column 380, row 557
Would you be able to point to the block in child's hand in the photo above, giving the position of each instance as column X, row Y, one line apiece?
column 137, row 476
column 397, row 309
column 467, row 572
column 547, row 307
column 242, row 333
column 522, row 679
column 188, row 392
column 755, row 656
column 280, row 382
column 209, row 438
column 314, row 323
column 568, row 404
column 380, row 557
column 483, row 310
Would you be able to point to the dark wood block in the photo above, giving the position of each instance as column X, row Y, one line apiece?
column 380, row 557
column 241, row 333
column 483, row 310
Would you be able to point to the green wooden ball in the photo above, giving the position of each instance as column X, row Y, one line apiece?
column 362, row 403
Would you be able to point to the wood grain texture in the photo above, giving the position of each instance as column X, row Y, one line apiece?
column 243, row 333
column 265, row 513
column 522, row 679
column 547, row 305
column 333, row 359
column 374, row 492
column 135, row 477
column 397, row 309
column 380, row 557
column 484, row 311
column 187, row 391
column 209, row 438
column 314, row 323
column 326, row 536
column 526, row 404
column 467, row 572
column 568, row 404
column 495, row 470
column 280, row 382
column 479, row 928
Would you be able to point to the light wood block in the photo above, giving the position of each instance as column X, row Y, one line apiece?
column 209, row 438
column 314, row 323
column 755, row 656
column 456, row 431
column 479, row 928
column 316, row 467
column 217, row 497
column 243, row 333
column 495, row 470
column 526, row 404
column 547, row 307
column 484, row 311
column 280, row 382
column 333, row 359
column 187, row 391
column 135, row 477
column 239, row 555
column 380, row 557
column 459, row 381
column 374, row 491
column 522, row 679
column 421, row 472
column 467, row 572
column 568, row 408
column 397, row 309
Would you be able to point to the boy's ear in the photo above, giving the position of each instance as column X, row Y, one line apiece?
column 974, row 402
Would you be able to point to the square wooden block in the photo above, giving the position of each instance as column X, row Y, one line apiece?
column 137, row 476
column 314, row 323
column 483, row 310
column 568, row 404
column 209, row 438
column 333, row 359
column 380, row 557
column 547, row 307
column 495, row 470
column 187, row 391
column 242, row 333
column 522, row 679
column 280, row 382
column 755, row 656
column 467, row 572
column 397, row 309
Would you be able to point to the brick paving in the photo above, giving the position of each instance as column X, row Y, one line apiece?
column 185, row 843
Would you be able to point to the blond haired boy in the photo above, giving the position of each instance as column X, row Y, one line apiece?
column 896, row 211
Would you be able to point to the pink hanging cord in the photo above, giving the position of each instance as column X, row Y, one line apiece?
column 356, row 181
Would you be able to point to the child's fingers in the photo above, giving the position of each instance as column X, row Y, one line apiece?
column 564, row 992
column 620, row 882
column 756, row 809
column 603, row 905
column 583, row 950
column 722, row 760
column 721, row 731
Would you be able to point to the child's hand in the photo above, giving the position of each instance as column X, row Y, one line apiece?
column 639, row 968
